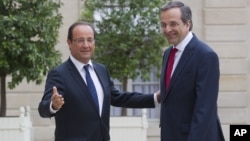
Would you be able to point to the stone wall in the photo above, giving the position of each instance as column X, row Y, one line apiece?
column 225, row 27
column 223, row 24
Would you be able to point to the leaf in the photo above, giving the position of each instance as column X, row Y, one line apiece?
column 27, row 42
column 129, row 40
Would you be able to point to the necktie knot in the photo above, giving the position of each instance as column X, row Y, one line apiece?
column 86, row 68
column 174, row 50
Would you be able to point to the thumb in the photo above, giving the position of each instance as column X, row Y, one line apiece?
column 55, row 91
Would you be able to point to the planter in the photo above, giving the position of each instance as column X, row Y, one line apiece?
column 129, row 128
column 16, row 128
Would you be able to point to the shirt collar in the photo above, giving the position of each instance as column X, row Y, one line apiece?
column 79, row 65
column 181, row 46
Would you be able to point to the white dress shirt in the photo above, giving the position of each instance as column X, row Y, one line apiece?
column 181, row 46
column 96, row 81
column 79, row 66
column 94, row 77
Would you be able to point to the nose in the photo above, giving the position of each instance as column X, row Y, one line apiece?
column 166, row 29
column 85, row 43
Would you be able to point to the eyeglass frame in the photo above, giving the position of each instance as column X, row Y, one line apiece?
column 81, row 41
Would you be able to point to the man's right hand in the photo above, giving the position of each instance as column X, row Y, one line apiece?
column 57, row 99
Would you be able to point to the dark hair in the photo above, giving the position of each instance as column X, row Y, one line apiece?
column 71, row 28
column 186, row 13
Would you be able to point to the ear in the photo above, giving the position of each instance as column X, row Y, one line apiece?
column 188, row 24
column 69, row 43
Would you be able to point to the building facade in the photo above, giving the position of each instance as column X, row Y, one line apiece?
column 223, row 24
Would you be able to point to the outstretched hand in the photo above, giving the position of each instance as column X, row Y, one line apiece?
column 57, row 99
column 158, row 95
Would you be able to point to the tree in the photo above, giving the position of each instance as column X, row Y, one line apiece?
column 128, row 37
column 28, row 35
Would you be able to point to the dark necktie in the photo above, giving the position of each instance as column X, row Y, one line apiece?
column 91, row 86
column 170, row 66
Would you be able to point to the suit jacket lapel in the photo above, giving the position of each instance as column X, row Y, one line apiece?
column 101, row 77
column 187, row 54
column 76, row 75
column 182, row 63
column 74, row 72
column 164, row 68
column 99, row 73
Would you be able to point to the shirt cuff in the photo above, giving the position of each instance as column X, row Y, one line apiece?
column 155, row 99
column 52, row 111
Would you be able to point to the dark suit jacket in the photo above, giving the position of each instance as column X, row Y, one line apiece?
column 78, row 119
column 189, row 106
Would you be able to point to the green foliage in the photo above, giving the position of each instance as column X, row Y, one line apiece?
column 129, row 40
column 28, row 35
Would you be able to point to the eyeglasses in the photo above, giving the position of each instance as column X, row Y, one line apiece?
column 172, row 24
column 82, row 41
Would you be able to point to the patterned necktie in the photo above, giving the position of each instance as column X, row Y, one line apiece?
column 91, row 86
column 170, row 66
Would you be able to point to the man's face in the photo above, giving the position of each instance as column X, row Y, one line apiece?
column 173, row 27
column 82, row 45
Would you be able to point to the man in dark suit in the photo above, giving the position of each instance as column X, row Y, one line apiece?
column 68, row 96
column 189, row 100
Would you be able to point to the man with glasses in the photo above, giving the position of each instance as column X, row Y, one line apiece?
column 189, row 81
column 79, row 92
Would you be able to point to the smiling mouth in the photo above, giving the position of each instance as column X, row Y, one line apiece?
column 170, row 37
column 85, row 51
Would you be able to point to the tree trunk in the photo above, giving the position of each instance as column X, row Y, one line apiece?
column 124, row 88
column 2, row 95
